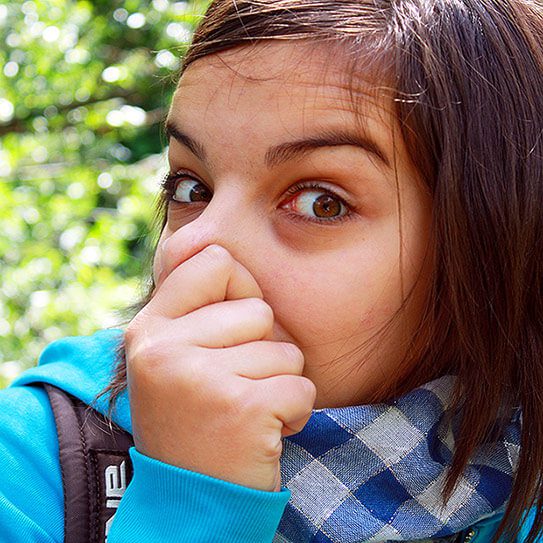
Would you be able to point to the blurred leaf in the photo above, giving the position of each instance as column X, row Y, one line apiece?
column 82, row 96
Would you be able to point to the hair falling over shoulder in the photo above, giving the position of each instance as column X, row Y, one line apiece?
column 467, row 80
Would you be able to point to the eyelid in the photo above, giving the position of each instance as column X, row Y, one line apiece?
column 313, row 186
column 170, row 180
column 174, row 175
column 323, row 187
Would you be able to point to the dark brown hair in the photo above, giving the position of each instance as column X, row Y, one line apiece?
column 467, row 78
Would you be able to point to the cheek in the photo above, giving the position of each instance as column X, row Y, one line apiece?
column 328, row 304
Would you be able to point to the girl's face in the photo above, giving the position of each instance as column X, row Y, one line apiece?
column 318, row 201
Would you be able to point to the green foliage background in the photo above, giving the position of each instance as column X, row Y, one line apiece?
column 84, row 87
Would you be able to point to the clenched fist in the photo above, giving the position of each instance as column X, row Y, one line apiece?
column 209, row 389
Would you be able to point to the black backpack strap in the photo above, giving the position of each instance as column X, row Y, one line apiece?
column 95, row 466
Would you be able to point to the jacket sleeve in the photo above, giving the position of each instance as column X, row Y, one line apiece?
column 526, row 526
column 31, row 498
column 164, row 503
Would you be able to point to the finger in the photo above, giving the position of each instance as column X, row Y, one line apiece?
column 262, row 359
column 296, row 426
column 210, row 276
column 177, row 248
column 227, row 323
column 291, row 399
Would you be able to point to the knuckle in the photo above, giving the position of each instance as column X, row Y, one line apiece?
column 191, row 376
column 143, row 357
column 151, row 363
column 308, row 389
column 232, row 400
column 170, row 253
column 150, row 352
column 146, row 349
column 134, row 342
column 259, row 308
column 238, row 398
column 219, row 255
column 214, row 260
column 130, row 334
column 271, row 447
column 135, row 329
column 294, row 354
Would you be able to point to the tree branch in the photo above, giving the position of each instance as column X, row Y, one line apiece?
column 21, row 124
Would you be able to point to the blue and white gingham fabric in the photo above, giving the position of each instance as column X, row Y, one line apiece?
column 375, row 473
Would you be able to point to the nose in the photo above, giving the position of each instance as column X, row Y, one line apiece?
column 232, row 223
column 225, row 221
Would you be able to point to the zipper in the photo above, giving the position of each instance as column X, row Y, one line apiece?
column 469, row 536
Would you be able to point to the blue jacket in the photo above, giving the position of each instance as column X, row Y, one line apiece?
column 163, row 503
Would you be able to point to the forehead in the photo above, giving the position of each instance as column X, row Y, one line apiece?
column 295, row 84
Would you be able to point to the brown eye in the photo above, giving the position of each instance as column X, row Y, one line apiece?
column 190, row 190
column 326, row 206
column 317, row 204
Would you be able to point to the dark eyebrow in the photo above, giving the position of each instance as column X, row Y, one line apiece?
column 293, row 149
column 172, row 131
column 330, row 138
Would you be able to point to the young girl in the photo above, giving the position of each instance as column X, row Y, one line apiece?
column 343, row 338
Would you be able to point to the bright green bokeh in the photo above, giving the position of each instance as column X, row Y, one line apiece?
column 84, row 87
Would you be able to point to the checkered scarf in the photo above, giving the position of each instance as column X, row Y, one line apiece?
column 375, row 473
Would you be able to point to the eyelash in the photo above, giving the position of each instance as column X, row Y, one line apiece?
column 170, row 181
